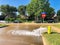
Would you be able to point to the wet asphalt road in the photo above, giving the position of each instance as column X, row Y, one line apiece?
column 9, row 39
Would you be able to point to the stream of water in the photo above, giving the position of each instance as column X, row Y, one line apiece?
column 36, row 32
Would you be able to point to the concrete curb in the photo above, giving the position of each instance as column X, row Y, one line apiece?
column 45, row 42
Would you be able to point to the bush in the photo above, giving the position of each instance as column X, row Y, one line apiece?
column 19, row 20
column 39, row 21
column 9, row 19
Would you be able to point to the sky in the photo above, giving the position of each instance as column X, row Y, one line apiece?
column 53, row 3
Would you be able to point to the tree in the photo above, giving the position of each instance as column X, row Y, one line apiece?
column 37, row 6
column 49, row 10
column 58, row 14
column 50, row 13
column 22, row 10
column 9, row 11
column 2, row 17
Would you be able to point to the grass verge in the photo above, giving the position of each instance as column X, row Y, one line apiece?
column 53, row 38
column 57, row 25
column 3, row 25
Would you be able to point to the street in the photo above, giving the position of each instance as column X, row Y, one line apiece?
column 9, row 39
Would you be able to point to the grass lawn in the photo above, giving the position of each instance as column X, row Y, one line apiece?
column 57, row 25
column 53, row 39
column 3, row 25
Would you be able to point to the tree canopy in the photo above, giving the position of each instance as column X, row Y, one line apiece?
column 58, row 12
column 35, row 7
column 8, row 10
column 22, row 10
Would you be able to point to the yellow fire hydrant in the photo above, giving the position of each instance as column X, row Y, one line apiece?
column 49, row 29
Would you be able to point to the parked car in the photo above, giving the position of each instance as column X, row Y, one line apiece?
column 39, row 21
column 50, row 21
column 17, row 21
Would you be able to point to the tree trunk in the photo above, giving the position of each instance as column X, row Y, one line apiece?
column 36, row 18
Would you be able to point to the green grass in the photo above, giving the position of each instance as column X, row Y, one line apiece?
column 3, row 25
column 57, row 25
column 53, row 39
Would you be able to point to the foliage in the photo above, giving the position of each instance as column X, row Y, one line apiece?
column 58, row 14
column 20, row 20
column 34, row 9
column 50, row 12
column 37, row 6
column 8, row 10
column 2, row 17
column 9, row 19
column 21, row 10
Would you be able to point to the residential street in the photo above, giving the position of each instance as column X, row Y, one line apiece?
column 9, row 39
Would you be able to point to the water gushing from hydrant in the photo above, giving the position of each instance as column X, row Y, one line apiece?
column 36, row 32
